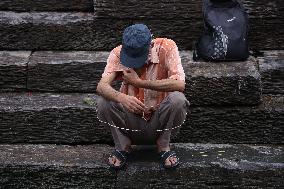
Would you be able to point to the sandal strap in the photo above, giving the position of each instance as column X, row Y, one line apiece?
column 120, row 155
column 166, row 154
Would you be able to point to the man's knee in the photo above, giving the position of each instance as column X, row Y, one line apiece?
column 103, row 105
column 177, row 99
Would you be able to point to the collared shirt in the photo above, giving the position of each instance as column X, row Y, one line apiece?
column 163, row 63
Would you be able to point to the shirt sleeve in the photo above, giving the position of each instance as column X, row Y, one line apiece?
column 113, row 64
column 173, row 63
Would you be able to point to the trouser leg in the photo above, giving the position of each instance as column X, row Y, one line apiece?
column 112, row 114
column 170, row 115
column 126, row 127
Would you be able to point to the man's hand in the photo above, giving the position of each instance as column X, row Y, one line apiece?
column 131, row 77
column 132, row 104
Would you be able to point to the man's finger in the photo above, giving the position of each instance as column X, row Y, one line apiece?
column 137, row 106
column 140, row 108
column 140, row 103
column 137, row 103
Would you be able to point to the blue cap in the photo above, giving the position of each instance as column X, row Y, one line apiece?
column 136, row 42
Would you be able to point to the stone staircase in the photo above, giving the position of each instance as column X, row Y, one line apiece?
column 52, row 54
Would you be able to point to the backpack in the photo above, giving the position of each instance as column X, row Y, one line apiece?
column 225, row 36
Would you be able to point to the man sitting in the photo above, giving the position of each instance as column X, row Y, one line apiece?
column 150, row 106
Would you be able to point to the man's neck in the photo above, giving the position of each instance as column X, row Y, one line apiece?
column 138, row 71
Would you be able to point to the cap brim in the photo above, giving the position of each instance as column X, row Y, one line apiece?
column 131, row 62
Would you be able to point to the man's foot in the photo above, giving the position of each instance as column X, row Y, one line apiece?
column 113, row 160
column 169, row 158
column 118, row 159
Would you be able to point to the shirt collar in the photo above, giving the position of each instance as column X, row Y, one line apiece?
column 154, row 52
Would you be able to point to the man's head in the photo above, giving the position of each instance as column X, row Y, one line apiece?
column 136, row 42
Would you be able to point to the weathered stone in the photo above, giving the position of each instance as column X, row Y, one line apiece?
column 236, row 124
column 209, row 83
column 50, row 5
column 69, row 119
column 202, row 166
column 83, row 31
column 49, row 118
column 54, row 166
column 271, row 67
column 177, row 9
column 54, row 31
column 13, row 70
column 208, row 166
column 65, row 71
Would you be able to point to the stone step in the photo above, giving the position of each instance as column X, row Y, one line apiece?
column 84, row 31
column 235, row 83
column 55, row 166
column 53, row 30
column 271, row 67
column 202, row 166
column 210, row 166
column 50, row 5
column 236, row 124
column 178, row 9
column 13, row 70
column 72, row 119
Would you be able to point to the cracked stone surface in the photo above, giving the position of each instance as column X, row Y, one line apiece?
column 207, row 166
column 235, row 83
column 50, row 166
column 84, row 31
column 42, row 5
column 177, row 9
column 236, row 124
column 77, row 71
column 13, row 70
column 209, row 83
column 71, row 119
column 50, row 118
column 202, row 166
column 271, row 67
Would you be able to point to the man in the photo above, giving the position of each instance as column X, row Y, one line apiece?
column 150, row 105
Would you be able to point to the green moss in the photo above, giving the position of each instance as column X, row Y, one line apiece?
column 89, row 101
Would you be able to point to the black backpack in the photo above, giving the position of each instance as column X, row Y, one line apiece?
column 226, row 32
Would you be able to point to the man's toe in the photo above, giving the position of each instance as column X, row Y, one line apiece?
column 168, row 162
column 117, row 162
column 173, row 160
column 111, row 160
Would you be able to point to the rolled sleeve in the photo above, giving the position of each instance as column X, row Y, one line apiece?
column 173, row 62
column 113, row 64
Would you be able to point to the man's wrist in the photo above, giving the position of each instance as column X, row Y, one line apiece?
column 140, row 83
column 119, row 96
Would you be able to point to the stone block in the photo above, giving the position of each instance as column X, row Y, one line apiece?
column 208, row 166
column 13, row 70
column 271, row 68
column 55, row 166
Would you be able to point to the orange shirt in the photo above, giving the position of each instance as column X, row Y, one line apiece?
column 163, row 63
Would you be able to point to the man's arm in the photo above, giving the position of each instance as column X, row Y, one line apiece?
column 166, row 85
column 105, row 89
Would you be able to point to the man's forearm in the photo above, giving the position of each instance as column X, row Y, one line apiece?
column 108, row 92
column 166, row 85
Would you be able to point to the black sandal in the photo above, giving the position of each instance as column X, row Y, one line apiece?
column 167, row 154
column 122, row 156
